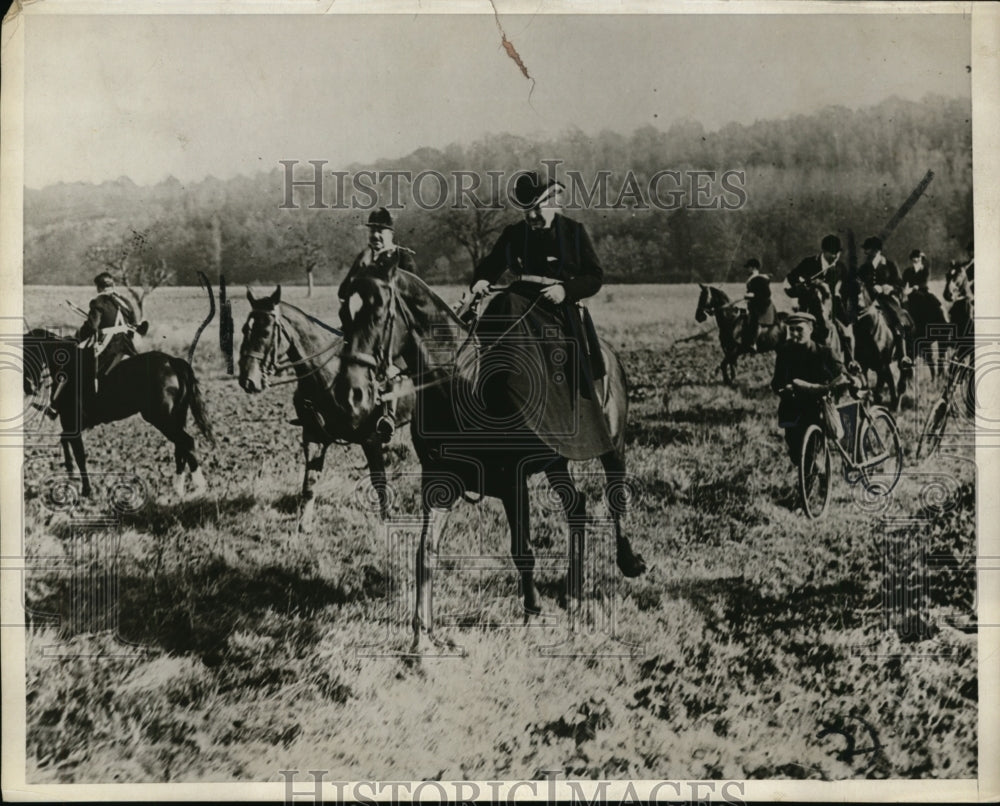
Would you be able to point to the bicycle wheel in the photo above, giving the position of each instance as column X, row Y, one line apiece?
column 814, row 473
column 930, row 437
column 881, row 457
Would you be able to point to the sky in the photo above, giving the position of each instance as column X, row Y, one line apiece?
column 196, row 95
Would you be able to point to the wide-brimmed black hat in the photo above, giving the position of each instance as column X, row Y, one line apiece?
column 530, row 189
column 380, row 218
column 872, row 243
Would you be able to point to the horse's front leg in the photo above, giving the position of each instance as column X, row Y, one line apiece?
column 515, row 504
column 575, row 506
column 616, row 494
column 76, row 443
column 67, row 457
column 313, row 467
column 376, row 469
column 427, row 557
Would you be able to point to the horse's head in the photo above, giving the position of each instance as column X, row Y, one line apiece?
column 374, row 337
column 709, row 301
column 815, row 298
column 39, row 349
column 261, row 334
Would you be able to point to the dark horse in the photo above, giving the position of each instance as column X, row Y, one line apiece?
column 276, row 331
column 731, row 320
column 957, row 291
column 876, row 348
column 928, row 317
column 814, row 297
column 464, row 447
column 160, row 387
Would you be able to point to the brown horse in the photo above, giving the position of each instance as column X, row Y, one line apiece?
column 731, row 321
column 160, row 387
column 276, row 336
column 465, row 446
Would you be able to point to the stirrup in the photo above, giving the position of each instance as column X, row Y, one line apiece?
column 385, row 427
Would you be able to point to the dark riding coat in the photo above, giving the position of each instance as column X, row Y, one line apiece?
column 399, row 257
column 110, row 310
column 563, row 252
column 572, row 422
column 884, row 274
column 759, row 305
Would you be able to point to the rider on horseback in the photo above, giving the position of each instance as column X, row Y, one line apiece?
column 881, row 280
column 962, row 278
column 379, row 259
column 556, row 267
column 760, row 309
column 107, row 336
column 827, row 268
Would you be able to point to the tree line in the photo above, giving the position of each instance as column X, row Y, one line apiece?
column 802, row 177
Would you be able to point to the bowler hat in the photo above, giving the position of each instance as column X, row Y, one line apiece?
column 872, row 243
column 752, row 263
column 380, row 218
column 530, row 189
column 831, row 243
column 800, row 316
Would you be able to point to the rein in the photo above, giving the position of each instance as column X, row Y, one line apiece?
column 268, row 357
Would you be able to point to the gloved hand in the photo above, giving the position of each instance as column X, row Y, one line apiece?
column 480, row 287
column 554, row 293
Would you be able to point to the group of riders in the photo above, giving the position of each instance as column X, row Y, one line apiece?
column 555, row 268
column 810, row 363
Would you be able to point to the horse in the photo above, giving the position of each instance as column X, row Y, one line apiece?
column 957, row 291
column 463, row 447
column 160, row 387
column 814, row 297
column 731, row 321
column 875, row 346
column 275, row 331
column 926, row 312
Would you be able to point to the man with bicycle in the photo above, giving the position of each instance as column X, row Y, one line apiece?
column 803, row 372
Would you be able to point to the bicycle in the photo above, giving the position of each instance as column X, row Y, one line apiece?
column 870, row 452
column 946, row 405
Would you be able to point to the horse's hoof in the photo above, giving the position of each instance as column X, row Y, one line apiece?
column 86, row 492
column 532, row 605
column 631, row 564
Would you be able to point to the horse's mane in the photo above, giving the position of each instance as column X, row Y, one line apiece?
column 307, row 326
column 718, row 295
column 437, row 311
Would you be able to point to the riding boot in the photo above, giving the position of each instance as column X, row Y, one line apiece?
column 905, row 362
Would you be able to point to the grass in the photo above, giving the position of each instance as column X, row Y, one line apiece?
column 769, row 646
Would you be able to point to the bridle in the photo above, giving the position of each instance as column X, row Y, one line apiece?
column 385, row 374
column 388, row 377
column 268, row 355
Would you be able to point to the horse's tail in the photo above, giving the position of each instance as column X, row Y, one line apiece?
column 195, row 401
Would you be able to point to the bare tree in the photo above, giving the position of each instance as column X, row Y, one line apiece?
column 133, row 265
column 474, row 228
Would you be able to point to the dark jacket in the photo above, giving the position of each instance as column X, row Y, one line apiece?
column 107, row 309
column 563, row 252
column 378, row 266
column 915, row 277
column 812, row 268
column 885, row 273
column 811, row 362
